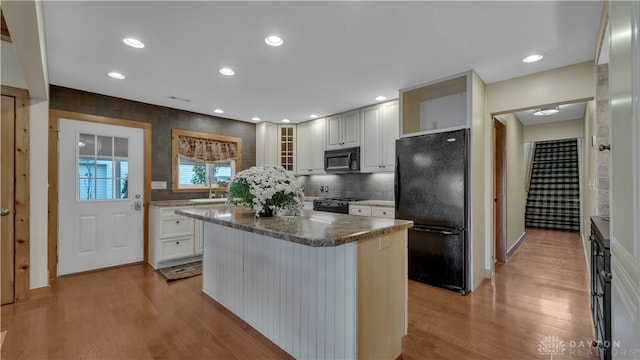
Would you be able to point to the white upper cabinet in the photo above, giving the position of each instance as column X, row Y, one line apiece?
column 343, row 130
column 310, row 147
column 380, row 129
column 267, row 143
column 275, row 145
column 438, row 106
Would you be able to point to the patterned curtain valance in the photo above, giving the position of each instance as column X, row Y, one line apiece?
column 206, row 149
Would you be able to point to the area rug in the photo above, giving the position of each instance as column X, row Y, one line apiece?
column 184, row 271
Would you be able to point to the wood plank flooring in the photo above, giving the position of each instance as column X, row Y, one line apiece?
column 543, row 290
column 132, row 313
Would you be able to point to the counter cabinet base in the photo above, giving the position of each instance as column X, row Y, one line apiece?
column 347, row 301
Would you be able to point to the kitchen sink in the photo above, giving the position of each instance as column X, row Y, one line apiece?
column 207, row 200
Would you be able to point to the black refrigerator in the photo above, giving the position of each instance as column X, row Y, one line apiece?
column 431, row 187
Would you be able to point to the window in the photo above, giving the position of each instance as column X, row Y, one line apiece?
column 198, row 174
column 103, row 167
column 201, row 159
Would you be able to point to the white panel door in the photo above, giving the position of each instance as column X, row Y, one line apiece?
column 100, row 194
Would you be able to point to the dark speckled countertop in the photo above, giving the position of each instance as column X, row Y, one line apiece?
column 312, row 228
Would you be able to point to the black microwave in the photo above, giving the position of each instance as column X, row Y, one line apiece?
column 342, row 161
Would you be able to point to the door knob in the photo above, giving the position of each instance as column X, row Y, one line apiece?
column 5, row 212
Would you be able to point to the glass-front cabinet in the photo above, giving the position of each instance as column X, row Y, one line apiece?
column 275, row 144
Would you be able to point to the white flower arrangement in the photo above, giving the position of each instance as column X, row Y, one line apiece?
column 266, row 189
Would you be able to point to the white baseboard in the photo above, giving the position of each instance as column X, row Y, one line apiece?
column 514, row 247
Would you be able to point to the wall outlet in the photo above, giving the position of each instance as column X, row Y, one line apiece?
column 158, row 185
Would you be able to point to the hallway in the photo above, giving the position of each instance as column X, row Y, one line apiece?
column 542, row 291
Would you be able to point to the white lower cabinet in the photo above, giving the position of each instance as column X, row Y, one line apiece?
column 360, row 210
column 173, row 239
column 382, row 212
column 374, row 211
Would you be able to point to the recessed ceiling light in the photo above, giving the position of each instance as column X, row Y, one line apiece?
column 227, row 71
column 533, row 58
column 116, row 75
column 547, row 111
column 218, row 111
column 313, row 116
column 286, row 120
column 133, row 43
column 273, row 40
column 255, row 118
column 380, row 98
column 451, row 139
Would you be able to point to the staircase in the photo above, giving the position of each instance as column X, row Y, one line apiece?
column 554, row 189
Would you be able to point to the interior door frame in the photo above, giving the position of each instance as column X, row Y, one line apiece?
column 54, row 116
column 499, row 190
column 22, row 208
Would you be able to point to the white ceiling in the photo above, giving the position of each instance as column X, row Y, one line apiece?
column 567, row 112
column 336, row 55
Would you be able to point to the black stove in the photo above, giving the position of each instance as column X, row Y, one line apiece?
column 336, row 205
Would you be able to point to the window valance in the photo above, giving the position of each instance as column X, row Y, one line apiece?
column 207, row 150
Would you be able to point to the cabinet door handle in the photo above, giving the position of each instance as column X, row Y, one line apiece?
column 177, row 221
column 384, row 213
column 177, row 242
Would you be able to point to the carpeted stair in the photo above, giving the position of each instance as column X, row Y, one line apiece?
column 554, row 190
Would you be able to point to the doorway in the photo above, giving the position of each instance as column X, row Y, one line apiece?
column 500, row 199
column 132, row 202
column 101, row 219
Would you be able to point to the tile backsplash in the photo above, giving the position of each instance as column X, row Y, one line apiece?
column 377, row 186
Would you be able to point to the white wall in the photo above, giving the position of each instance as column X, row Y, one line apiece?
column 589, row 176
column 10, row 71
column 624, row 174
column 25, row 21
column 563, row 85
column 479, row 194
column 516, row 170
column 570, row 129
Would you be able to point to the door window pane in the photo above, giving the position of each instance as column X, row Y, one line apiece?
column 105, row 145
column 101, row 175
column 121, row 147
column 87, row 144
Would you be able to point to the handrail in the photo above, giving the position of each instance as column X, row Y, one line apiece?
column 530, row 156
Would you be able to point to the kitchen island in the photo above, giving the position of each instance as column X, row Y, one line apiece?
column 319, row 285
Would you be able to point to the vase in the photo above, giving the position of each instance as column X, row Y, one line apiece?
column 266, row 212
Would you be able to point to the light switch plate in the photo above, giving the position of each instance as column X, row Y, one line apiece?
column 158, row 185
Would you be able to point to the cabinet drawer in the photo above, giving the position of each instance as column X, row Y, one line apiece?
column 170, row 212
column 176, row 227
column 383, row 212
column 360, row 210
column 176, row 248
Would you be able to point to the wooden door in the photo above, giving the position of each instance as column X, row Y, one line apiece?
column 499, row 191
column 7, row 191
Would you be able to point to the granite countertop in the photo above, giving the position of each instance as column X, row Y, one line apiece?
column 312, row 228
column 380, row 203
column 188, row 202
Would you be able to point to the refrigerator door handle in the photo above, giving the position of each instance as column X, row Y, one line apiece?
column 443, row 232
column 397, row 183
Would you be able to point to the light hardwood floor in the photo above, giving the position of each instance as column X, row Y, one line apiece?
column 132, row 313
column 543, row 290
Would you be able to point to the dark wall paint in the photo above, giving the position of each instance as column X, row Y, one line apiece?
column 162, row 120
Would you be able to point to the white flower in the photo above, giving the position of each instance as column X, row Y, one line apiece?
column 266, row 187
